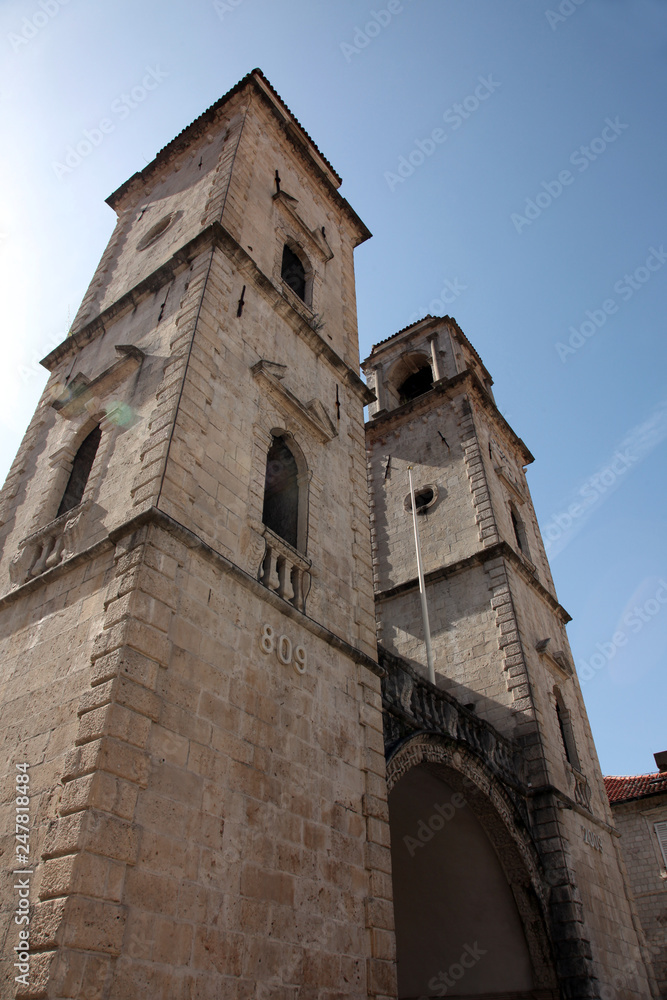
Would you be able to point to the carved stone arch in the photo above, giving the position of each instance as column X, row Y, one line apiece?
column 303, row 481
column 408, row 366
column 492, row 805
column 295, row 246
column 61, row 461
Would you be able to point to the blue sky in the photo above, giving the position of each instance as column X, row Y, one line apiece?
column 537, row 206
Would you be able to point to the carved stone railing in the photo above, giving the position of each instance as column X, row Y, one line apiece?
column 48, row 546
column 413, row 704
column 285, row 571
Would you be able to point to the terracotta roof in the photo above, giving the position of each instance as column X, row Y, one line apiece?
column 625, row 788
column 185, row 136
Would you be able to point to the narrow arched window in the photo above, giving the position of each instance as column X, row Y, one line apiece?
column 281, row 492
column 81, row 466
column 416, row 384
column 566, row 731
column 293, row 272
column 520, row 533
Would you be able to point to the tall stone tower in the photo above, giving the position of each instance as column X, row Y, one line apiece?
column 506, row 730
column 189, row 671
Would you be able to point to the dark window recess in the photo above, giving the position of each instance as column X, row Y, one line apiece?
column 520, row 533
column 281, row 492
column 567, row 734
column 423, row 499
column 416, row 384
column 293, row 273
column 561, row 726
column 83, row 463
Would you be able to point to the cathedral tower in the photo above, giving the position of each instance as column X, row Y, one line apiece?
column 508, row 714
column 189, row 673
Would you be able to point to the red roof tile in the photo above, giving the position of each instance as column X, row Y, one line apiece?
column 624, row 788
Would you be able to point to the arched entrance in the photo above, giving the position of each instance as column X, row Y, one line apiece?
column 466, row 890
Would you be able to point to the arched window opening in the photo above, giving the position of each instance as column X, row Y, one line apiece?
column 293, row 272
column 416, row 384
column 281, row 492
column 566, row 732
column 520, row 533
column 81, row 466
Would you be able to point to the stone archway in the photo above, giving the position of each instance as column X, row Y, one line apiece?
column 468, row 898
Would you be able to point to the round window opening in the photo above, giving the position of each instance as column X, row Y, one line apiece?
column 156, row 232
column 425, row 497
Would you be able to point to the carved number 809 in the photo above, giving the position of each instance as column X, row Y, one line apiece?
column 283, row 648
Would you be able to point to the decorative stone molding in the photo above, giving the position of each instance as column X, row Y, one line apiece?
column 285, row 571
column 315, row 240
column 415, row 703
column 48, row 546
column 84, row 394
column 269, row 374
column 503, row 470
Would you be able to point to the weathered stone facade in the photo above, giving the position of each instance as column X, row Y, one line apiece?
column 501, row 656
column 211, row 738
column 639, row 807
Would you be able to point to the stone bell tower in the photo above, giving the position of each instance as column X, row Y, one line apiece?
column 501, row 653
column 186, row 609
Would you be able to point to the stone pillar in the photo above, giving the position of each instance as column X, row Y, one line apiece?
column 379, row 390
column 435, row 356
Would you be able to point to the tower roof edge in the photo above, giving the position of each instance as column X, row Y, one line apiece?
column 257, row 80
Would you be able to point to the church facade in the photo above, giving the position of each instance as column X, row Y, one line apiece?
column 226, row 772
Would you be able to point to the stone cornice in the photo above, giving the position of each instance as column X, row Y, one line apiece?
column 217, row 236
column 467, row 380
column 499, row 550
column 153, row 516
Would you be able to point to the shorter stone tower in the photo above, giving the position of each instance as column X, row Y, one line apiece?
column 508, row 690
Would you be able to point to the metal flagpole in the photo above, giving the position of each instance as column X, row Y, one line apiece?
column 422, row 589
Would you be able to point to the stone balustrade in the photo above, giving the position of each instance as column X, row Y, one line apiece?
column 285, row 571
column 416, row 705
column 47, row 547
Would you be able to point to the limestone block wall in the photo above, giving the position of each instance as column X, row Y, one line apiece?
column 222, row 823
column 190, row 187
column 607, row 908
column 647, row 874
column 448, row 530
column 466, row 641
column 216, row 466
column 508, row 487
column 262, row 223
column 46, row 637
column 128, row 412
